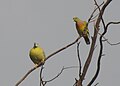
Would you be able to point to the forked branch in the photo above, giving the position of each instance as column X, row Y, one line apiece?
column 87, row 63
column 101, row 45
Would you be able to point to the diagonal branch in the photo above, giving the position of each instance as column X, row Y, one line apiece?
column 26, row 75
column 62, row 48
column 45, row 60
column 91, row 16
column 101, row 47
column 87, row 63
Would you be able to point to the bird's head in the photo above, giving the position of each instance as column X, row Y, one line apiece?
column 76, row 19
column 35, row 45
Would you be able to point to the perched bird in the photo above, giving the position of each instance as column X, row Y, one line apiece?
column 37, row 54
column 82, row 29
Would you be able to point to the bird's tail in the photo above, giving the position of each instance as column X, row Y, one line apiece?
column 87, row 40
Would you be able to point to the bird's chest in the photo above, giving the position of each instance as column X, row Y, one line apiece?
column 80, row 29
column 35, row 52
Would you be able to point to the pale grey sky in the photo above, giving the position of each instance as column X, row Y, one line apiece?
column 49, row 22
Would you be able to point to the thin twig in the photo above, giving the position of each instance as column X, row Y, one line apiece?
column 78, row 54
column 41, row 70
column 91, row 16
column 105, row 39
column 106, row 31
column 45, row 60
column 96, row 84
column 64, row 68
column 112, row 23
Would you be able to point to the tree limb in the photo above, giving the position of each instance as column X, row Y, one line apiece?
column 78, row 54
column 101, row 46
column 78, row 82
column 87, row 63
column 45, row 60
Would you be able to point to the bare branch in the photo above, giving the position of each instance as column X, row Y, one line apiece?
column 26, row 75
column 107, row 28
column 64, row 68
column 105, row 39
column 79, row 59
column 96, row 84
column 112, row 44
column 101, row 48
column 79, row 82
column 112, row 23
column 94, row 40
column 45, row 60
column 63, row 48
column 100, row 13
column 41, row 81
column 91, row 16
